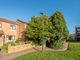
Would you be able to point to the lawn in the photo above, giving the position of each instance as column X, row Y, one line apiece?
column 73, row 53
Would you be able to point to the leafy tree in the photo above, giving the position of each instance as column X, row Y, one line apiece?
column 52, row 29
column 37, row 30
column 59, row 30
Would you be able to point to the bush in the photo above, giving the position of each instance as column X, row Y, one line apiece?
column 56, row 45
column 17, row 42
column 27, row 42
column 12, row 43
column 4, row 48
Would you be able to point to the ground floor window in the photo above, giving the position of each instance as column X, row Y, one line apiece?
column 10, row 37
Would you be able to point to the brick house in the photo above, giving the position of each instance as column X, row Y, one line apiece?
column 11, row 31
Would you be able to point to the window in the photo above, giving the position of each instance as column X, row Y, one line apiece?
column 12, row 27
column 78, row 30
column 10, row 37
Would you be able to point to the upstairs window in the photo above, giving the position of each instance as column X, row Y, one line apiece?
column 12, row 27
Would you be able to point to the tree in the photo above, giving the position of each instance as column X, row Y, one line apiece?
column 52, row 29
column 59, row 30
column 37, row 30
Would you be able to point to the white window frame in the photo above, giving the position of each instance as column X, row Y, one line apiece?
column 12, row 37
column 12, row 27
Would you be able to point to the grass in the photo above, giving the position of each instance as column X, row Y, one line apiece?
column 73, row 53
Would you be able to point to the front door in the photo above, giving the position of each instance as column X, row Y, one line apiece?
column 1, row 40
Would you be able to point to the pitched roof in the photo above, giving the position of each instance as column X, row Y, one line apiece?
column 7, row 21
column 22, row 21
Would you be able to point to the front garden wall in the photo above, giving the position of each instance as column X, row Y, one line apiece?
column 18, row 48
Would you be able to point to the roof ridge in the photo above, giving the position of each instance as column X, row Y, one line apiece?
column 22, row 21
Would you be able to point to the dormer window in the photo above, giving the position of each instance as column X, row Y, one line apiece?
column 12, row 27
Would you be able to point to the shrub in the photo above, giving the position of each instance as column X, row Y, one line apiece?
column 56, row 45
column 4, row 48
column 17, row 42
column 27, row 42
column 12, row 43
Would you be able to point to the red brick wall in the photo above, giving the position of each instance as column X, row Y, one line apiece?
column 21, row 28
column 18, row 48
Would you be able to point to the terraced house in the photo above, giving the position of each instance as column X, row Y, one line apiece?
column 11, row 31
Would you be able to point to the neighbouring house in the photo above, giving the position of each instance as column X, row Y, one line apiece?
column 21, row 27
column 72, row 37
column 11, row 31
column 77, row 33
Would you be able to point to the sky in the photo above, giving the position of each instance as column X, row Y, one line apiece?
column 25, row 9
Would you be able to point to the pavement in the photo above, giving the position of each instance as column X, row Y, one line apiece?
column 14, row 55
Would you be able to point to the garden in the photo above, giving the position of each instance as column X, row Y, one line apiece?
column 73, row 53
column 15, row 46
column 52, row 32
